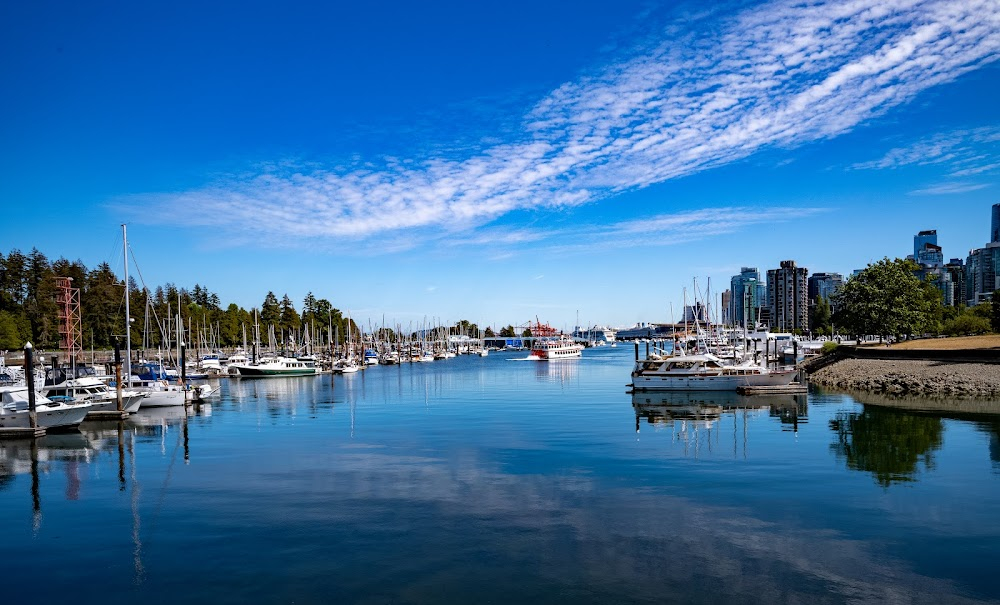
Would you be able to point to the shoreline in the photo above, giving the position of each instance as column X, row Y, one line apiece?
column 921, row 377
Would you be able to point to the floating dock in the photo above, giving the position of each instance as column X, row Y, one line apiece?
column 791, row 389
column 106, row 415
column 17, row 432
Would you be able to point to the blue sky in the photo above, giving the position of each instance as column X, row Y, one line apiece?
column 496, row 162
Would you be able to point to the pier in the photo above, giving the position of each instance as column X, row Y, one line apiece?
column 17, row 432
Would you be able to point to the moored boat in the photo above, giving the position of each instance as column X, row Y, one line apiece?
column 275, row 366
column 49, row 414
column 704, row 372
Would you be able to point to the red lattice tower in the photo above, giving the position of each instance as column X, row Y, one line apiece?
column 70, row 328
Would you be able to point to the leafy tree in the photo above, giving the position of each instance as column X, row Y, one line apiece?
column 884, row 299
column 888, row 443
column 488, row 333
column 507, row 332
column 975, row 320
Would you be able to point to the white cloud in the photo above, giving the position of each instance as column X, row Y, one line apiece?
column 965, row 152
column 781, row 74
column 950, row 189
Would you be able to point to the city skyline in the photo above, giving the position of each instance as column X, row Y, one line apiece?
column 468, row 163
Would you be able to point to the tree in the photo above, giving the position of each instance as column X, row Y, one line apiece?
column 821, row 317
column 884, row 299
column 507, row 332
column 289, row 319
column 270, row 311
column 13, row 331
column 489, row 332
column 995, row 311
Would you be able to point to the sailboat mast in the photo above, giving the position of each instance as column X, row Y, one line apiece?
column 128, row 316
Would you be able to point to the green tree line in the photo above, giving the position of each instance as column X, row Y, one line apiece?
column 29, row 312
column 887, row 299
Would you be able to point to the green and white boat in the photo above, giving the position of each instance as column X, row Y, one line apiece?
column 273, row 366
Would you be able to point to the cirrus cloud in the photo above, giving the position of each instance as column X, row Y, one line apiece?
column 711, row 92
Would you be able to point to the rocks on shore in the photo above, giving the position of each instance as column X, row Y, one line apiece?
column 916, row 377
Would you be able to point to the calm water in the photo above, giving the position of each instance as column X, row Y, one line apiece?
column 478, row 480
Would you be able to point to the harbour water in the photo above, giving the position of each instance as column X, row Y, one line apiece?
column 489, row 480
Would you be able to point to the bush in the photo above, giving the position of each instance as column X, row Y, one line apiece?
column 829, row 347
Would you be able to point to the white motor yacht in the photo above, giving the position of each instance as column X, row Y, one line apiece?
column 50, row 414
column 703, row 372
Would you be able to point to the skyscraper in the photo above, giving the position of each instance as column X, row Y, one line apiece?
column 982, row 267
column 746, row 296
column 824, row 285
column 926, row 251
column 921, row 238
column 995, row 230
column 788, row 297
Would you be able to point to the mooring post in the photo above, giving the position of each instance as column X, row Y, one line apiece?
column 637, row 350
column 29, row 379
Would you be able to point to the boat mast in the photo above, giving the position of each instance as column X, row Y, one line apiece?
column 128, row 316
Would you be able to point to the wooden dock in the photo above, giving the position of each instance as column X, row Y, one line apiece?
column 106, row 415
column 791, row 389
column 17, row 432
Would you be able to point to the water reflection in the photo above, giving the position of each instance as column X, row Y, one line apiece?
column 894, row 438
column 890, row 444
column 561, row 371
column 695, row 418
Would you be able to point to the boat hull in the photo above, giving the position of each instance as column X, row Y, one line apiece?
column 642, row 382
column 256, row 372
column 63, row 417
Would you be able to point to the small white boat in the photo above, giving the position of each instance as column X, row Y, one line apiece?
column 49, row 414
column 91, row 390
column 345, row 366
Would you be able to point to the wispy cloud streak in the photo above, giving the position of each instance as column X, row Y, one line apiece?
column 781, row 74
column 965, row 152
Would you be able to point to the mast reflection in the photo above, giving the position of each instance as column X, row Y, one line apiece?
column 695, row 419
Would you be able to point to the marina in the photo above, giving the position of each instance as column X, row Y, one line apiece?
column 479, row 480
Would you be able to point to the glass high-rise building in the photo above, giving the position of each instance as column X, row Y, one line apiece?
column 924, row 237
column 995, row 225
column 746, row 297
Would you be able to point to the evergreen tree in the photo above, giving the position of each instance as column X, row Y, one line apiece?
column 270, row 311
column 820, row 320
column 289, row 320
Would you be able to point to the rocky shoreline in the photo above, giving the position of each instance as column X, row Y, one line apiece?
column 914, row 377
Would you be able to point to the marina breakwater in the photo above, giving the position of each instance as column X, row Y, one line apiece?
column 965, row 373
